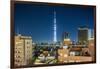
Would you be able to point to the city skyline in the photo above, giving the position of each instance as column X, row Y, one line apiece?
column 38, row 21
column 47, row 34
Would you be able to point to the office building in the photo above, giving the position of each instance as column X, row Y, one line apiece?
column 83, row 35
column 66, row 40
column 90, row 34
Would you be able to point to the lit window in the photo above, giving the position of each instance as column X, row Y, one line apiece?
column 92, row 44
column 65, row 55
column 60, row 54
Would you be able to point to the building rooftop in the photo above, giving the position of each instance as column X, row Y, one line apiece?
column 24, row 37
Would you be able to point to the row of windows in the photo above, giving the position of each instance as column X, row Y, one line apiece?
column 18, row 52
column 18, row 61
column 18, row 56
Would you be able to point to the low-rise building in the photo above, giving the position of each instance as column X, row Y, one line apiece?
column 75, row 54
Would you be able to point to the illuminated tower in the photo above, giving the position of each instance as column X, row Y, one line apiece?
column 55, row 28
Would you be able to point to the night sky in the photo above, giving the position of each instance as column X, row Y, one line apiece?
column 37, row 20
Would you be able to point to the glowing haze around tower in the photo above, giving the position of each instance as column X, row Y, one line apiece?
column 55, row 29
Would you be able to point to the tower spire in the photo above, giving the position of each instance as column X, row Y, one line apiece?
column 55, row 28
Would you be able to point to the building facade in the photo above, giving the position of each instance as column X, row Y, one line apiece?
column 66, row 40
column 22, row 50
column 67, row 56
column 63, row 55
column 83, row 35
column 90, row 34
column 91, row 46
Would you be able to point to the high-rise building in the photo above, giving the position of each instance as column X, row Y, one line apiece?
column 66, row 40
column 90, row 34
column 83, row 35
column 91, row 43
column 22, row 50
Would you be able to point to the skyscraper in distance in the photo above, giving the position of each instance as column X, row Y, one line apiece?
column 55, row 29
column 65, row 39
column 90, row 33
column 83, row 34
